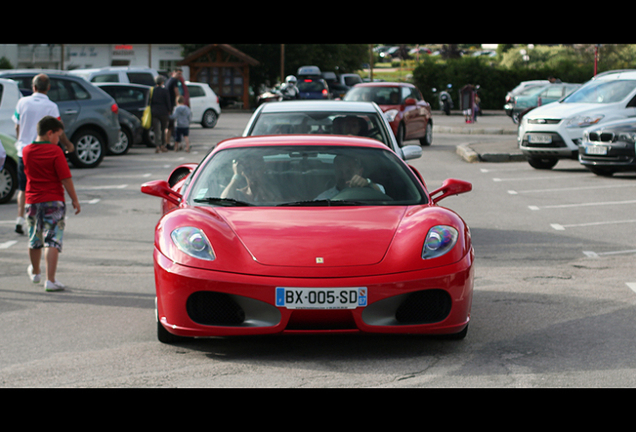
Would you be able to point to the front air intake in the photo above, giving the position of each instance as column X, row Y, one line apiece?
column 213, row 308
column 424, row 307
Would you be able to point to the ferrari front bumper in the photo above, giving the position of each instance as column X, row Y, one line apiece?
column 203, row 303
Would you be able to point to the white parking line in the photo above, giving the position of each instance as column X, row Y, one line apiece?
column 559, row 227
column 102, row 187
column 631, row 285
column 515, row 192
column 497, row 179
column 592, row 254
column 583, row 205
column 8, row 244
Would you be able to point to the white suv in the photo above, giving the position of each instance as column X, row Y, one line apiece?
column 554, row 131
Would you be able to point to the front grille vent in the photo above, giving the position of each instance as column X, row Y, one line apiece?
column 601, row 137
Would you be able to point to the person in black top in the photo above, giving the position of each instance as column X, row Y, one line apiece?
column 161, row 109
column 172, row 85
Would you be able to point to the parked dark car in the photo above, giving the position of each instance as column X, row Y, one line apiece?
column 89, row 114
column 130, row 133
column 132, row 98
column 610, row 148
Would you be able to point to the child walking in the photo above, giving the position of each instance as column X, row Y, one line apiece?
column 182, row 115
column 47, row 175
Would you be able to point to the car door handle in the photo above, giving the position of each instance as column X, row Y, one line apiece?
column 70, row 112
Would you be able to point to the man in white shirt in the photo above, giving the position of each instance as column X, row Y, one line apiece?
column 28, row 112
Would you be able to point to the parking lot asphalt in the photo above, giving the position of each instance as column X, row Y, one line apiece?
column 481, row 150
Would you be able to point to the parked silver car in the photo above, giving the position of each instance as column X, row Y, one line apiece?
column 90, row 115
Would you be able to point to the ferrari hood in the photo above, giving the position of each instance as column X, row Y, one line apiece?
column 330, row 237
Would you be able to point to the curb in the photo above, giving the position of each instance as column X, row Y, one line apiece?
column 471, row 156
column 472, row 131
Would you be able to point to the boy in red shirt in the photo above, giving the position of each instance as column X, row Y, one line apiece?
column 47, row 175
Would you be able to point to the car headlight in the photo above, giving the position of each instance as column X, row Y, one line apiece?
column 628, row 137
column 583, row 121
column 439, row 240
column 391, row 114
column 192, row 241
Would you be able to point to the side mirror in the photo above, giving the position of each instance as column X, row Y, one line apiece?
column 450, row 187
column 410, row 101
column 161, row 189
column 411, row 152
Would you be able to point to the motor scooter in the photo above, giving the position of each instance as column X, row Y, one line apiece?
column 445, row 100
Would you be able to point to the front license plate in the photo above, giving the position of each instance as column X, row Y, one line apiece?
column 539, row 138
column 596, row 150
column 321, row 298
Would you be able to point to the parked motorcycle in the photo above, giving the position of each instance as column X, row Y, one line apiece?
column 445, row 100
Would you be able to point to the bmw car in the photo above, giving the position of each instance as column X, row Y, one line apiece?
column 297, row 234
column 610, row 148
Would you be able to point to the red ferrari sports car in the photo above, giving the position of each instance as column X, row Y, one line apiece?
column 308, row 233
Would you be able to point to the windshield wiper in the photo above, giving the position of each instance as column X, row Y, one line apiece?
column 225, row 202
column 320, row 203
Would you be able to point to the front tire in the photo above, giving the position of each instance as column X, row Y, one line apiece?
column 8, row 181
column 542, row 163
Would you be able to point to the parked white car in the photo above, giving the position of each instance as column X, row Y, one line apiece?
column 9, row 95
column 554, row 131
column 204, row 104
column 120, row 74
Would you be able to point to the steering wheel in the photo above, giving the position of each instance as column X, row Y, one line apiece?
column 364, row 193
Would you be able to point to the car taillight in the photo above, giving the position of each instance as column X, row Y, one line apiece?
column 325, row 93
column 114, row 108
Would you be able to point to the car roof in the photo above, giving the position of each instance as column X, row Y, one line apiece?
column 119, row 84
column 35, row 72
column 320, row 105
column 300, row 140
column 629, row 74
column 384, row 84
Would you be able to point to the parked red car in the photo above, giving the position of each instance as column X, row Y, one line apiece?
column 308, row 234
column 408, row 113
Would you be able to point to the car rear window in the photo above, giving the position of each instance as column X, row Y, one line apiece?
column 144, row 78
column 106, row 78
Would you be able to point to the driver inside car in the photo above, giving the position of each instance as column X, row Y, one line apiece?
column 348, row 174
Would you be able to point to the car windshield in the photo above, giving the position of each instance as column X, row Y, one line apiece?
column 602, row 92
column 379, row 95
column 331, row 123
column 305, row 176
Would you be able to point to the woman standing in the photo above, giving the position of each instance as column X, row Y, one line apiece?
column 160, row 108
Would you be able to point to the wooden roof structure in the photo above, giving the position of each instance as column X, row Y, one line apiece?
column 218, row 64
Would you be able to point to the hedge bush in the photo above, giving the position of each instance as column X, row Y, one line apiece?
column 494, row 82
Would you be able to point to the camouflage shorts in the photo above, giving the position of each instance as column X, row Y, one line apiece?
column 45, row 223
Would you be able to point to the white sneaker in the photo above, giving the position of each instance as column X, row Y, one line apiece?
column 35, row 278
column 53, row 286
